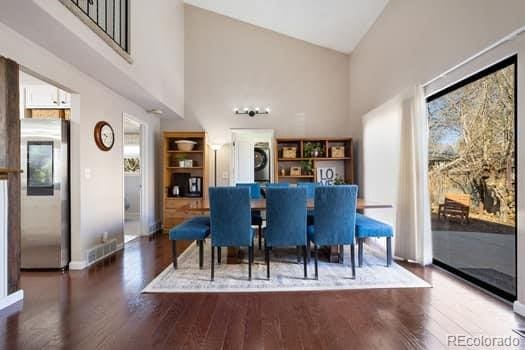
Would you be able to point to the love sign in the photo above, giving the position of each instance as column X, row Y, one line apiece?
column 326, row 176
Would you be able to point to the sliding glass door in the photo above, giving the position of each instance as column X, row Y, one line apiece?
column 472, row 178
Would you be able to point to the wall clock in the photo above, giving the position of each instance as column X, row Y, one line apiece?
column 104, row 136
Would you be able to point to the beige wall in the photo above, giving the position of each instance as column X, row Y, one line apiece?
column 230, row 63
column 414, row 41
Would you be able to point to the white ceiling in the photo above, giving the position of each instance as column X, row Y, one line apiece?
column 335, row 24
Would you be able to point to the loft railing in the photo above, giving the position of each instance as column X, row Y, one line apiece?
column 111, row 16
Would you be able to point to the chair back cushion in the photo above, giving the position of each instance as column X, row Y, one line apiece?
column 255, row 189
column 278, row 185
column 335, row 214
column 230, row 216
column 310, row 188
column 285, row 217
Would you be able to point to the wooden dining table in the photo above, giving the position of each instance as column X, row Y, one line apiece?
column 202, row 206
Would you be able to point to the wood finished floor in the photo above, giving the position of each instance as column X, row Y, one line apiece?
column 102, row 308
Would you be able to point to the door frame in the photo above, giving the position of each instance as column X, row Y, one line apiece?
column 262, row 133
column 144, row 231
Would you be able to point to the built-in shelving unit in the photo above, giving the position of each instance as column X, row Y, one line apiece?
column 172, row 206
column 344, row 164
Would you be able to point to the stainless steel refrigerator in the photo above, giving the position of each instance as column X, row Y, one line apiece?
column 45, row 194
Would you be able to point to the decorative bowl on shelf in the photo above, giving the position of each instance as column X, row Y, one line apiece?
column 185, row 145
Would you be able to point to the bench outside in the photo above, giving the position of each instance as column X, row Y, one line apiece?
column 456, row 204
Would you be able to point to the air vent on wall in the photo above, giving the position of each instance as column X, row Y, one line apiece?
column 101, row 251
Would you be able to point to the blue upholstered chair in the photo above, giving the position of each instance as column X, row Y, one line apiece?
column 275, row 185
column 285, row 221
column 310, row 188
column 231, row 224
column 310, row 194
column 197, row 228
column 278, row 185
column 334, row 219
column 366, row 227
column 255, row 193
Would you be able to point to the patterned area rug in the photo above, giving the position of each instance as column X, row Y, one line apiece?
column 286, row 274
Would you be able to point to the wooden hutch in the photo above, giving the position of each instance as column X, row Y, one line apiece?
column 171, row 165
column 297, row 159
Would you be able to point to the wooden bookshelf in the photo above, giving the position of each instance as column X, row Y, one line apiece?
column 344, row 164
column 172, row 214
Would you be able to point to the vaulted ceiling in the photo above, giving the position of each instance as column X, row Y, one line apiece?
column 335, row 24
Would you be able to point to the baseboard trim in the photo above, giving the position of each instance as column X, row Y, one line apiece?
column 78, row 265
column 156, row 227
column 519, row 308
column 11, row 299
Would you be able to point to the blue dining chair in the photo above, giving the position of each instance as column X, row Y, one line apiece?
column 310, row 188
column 278, row 185
column 334, row 220
column 255, row 193
column 230, row 220
column 310, row 194
column 275, row 185
column 285, row 221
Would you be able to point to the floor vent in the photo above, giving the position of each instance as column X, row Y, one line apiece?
column 101, row 251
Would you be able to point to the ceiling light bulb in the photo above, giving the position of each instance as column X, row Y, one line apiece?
column 257, row 109
column 236, row 110
column 245, row 109
column 267, row 110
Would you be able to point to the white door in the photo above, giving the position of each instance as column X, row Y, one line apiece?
column 243, row 164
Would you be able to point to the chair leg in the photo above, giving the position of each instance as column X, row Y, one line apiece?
column 388, row 251
column 316, row 257
column 260, row 236
column 304, row 262
column 341, row 254
column 298, row 253
column 360, row 251
column 212, row 262
column 250, row 258
column 219, row 255
column 352, row 257
column 201, row 254
column 267, row 256
column 308, row 251
column 174, row 253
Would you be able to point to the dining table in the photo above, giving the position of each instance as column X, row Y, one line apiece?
column 335, row 253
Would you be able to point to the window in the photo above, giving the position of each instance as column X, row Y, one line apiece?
column 472, row 178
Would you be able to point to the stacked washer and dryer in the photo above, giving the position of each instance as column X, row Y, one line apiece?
column 262, row 162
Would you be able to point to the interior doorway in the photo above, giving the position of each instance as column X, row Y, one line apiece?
column 252, row 155
column 133, row 160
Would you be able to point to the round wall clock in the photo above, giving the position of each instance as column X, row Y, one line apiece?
column 104, row 136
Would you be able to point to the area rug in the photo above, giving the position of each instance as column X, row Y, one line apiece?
column 286, row 274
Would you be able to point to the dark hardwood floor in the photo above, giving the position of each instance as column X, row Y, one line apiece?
column 102, row 307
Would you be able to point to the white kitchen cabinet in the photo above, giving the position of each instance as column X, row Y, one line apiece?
column 46, row 96
column 64, row 99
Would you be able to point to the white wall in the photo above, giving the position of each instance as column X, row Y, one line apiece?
column 233, row 64
column 413, row 42
column 97, row 202
column 155, row 79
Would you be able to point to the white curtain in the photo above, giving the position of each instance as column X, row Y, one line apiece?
column 413, row 240
column 395, row 170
